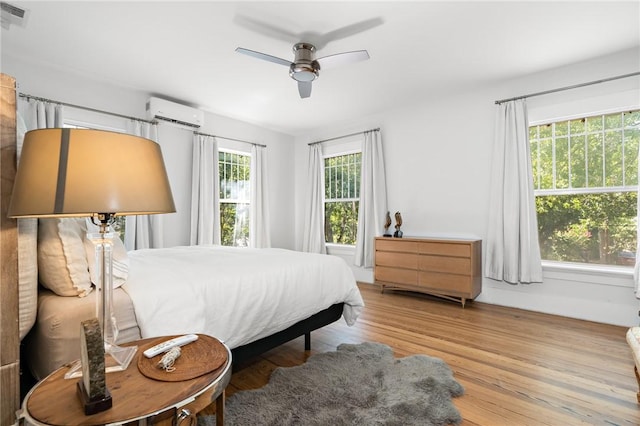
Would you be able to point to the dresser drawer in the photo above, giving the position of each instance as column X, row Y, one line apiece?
column 453, row 265
column 396, row 275
column 445, row 249
column 397, row 259
column 400, row 245
column 447, row 283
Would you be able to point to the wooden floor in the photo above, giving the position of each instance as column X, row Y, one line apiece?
column 517, row 367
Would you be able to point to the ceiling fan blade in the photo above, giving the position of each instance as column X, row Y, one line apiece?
column 304, row 88
column 266, row 29
column 347, row 31
column 313, row 37
column 263, row 56
column 343, row 58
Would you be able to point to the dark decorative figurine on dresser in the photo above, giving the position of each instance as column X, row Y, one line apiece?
column 398, row 233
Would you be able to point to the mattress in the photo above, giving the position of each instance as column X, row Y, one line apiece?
column 238, row 295
column 55, row 339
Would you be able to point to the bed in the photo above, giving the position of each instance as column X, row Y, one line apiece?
column 252, row 299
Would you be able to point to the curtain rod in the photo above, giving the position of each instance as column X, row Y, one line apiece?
column 37, row 98
column 229, row 139
column 377, row 129
column 575, row 86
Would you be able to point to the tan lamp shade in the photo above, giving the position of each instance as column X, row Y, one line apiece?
column 82, row 172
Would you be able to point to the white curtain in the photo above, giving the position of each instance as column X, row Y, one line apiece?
column 313, row 241
column 143, row 231
column 636, row 269
column 31, row 115
column 513, row 252
column 41, row 115
column 373, row 198
column 259, row 234
column 205, row 192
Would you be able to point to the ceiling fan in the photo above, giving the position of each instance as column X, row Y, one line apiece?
column 305, row 67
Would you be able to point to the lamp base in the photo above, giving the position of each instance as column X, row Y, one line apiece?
column 117, row 358
column 121, row 355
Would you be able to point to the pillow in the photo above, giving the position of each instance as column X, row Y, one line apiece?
column 119, row 258
column 62, row 261
column 27, row 274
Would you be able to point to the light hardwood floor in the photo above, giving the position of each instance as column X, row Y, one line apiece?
column 517, row 367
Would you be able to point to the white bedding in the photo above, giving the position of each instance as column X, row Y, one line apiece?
column 238, row 295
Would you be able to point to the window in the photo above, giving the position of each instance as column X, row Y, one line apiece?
column 234, row 198
column 585, row 176
column 342, row 197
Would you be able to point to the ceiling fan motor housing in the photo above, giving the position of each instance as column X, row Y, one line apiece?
column 305, row 67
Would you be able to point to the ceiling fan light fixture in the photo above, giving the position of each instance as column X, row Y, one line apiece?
column 303, row 72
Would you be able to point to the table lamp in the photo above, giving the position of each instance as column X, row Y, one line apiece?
column 97, row 174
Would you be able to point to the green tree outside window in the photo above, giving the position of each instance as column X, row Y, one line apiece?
column 234, row 198
column 342, row 197
column 585, row 174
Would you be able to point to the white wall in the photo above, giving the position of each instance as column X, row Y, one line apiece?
column 438, row 165
column 438, row 162
column 176, row 142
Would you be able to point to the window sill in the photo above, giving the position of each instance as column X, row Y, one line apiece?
column 549, row 265
column 341, row 249
column 621, row 276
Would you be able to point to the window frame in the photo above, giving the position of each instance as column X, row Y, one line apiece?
column 347, row 149
column 608, row 273
column 234, row 200
column 586, row 190
column 78, row 124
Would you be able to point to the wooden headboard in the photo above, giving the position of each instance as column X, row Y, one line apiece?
column 9, row 325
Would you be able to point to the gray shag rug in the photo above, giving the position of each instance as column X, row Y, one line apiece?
column 359, row 384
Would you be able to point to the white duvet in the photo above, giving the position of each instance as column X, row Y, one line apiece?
column 235, row 294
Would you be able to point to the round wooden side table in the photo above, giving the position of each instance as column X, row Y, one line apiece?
column 137, row 399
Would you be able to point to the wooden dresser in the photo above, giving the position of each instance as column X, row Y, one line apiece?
column 448, row 268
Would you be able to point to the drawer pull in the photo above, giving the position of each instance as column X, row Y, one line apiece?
column 183, row 415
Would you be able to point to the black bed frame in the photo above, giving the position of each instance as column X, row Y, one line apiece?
column 304, row 327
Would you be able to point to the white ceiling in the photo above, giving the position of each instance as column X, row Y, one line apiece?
column 186, row 50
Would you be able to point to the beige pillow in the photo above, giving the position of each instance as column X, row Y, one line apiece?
column 27, row 274
column 62, row 261
column 119, row 258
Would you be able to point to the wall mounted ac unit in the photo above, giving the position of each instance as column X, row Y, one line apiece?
column 161, row 109
column 12, row 15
